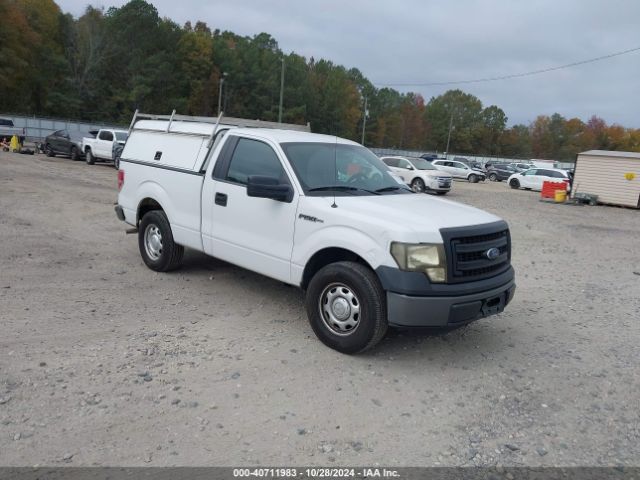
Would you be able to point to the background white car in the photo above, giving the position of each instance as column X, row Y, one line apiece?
column 459, row 170
column 533, row 178
column 419, row 174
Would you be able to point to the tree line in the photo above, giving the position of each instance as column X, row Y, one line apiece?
column 104, row 65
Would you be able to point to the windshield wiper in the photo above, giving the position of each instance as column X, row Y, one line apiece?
column 341, row 188
column 332, row 187
column 390, row 189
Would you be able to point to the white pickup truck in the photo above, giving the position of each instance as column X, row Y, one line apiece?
column 101, row 146
column 318, row 212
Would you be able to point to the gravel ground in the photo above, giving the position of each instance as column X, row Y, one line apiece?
column 104, row 362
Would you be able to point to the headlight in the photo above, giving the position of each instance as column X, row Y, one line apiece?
column 423, row 257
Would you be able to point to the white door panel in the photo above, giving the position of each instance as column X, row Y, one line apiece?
column 255, row 233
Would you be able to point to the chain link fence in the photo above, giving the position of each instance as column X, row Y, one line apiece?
column 37, row 128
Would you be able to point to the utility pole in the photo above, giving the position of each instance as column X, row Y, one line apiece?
column 224, row 75
column 281, row 91
column 449, row 136
column 364, row 119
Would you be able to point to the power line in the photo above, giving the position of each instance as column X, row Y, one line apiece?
column 506, row 77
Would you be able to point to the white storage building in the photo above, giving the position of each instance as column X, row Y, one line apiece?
column 613, row 176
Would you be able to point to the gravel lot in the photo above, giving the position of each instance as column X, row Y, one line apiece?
column 104, row 362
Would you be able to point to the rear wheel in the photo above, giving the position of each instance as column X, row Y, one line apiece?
column 417, row 185
column 346, row 306
column 473, row 178
column 514, row 183
column 155, row 241
column 49, row 151
column 89, row 157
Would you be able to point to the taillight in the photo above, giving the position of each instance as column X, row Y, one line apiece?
column 120, row 179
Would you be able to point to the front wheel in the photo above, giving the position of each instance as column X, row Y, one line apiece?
column 49, row 151
column 417, row 185
column 116, row 163
column 155, row 241
column 493, row 177
column 442, row 193
column 89, row 157
column 473, row 178
column 346, row 306
column 75, row 155
column 514, row 183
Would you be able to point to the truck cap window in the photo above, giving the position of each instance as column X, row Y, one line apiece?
column 252, row 157
column 327, row 168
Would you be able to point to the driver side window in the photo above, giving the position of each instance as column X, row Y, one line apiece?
column 403, row 164
column 252, row 157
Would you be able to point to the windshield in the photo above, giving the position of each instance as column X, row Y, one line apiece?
column 422, row 164
column 121, row 136
column 346, row 169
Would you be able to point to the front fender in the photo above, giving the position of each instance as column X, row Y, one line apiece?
column 363, row 245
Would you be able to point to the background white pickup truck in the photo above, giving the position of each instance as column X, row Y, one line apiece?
column 8, row 130
column 102, row 146
column 318, row 212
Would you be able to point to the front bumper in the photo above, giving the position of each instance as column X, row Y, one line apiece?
column 441, row 311
column 440, row 185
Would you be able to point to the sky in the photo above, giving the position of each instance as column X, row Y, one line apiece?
column 425, row 41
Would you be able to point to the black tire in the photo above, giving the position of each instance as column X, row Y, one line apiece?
column 417, row 185
column 514, row 183
column 116, row 163
column 473, row 178
column 493, row 177
column 170, row 254
column 89, row 157
column 74, row 154
column 441, row 193
column 369, row 299
column 49, row 151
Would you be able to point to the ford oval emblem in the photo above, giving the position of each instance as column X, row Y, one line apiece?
column 492, row 253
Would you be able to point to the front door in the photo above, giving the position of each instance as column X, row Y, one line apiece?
column 405, row 170
column 254, row 233
column 531, row 179
column 104, row 144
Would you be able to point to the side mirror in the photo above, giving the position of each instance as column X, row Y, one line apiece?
column 269, row 187
column 410, row 167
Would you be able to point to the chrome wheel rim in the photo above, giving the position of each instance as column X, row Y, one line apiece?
column 340, row 309
column 153, row 242
column 417, row 186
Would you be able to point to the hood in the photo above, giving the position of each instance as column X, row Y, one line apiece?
column 408, row 217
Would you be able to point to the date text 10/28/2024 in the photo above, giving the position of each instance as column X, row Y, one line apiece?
column 317, row 472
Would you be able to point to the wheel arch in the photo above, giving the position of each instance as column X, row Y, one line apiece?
column 146, row 205
column 327, row 256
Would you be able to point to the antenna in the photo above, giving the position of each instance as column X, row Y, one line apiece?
column 335, row 170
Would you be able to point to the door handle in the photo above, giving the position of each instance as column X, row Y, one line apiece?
column 221, row 199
